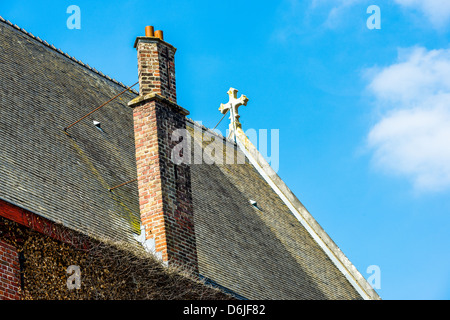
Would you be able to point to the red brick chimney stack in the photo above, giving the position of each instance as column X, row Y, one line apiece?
column 164, row 187
column 156, row 64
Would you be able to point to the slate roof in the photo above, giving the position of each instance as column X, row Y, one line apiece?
column 64, row 178
column 258, row 254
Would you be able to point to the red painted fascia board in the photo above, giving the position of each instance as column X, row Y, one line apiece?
column 40, row 224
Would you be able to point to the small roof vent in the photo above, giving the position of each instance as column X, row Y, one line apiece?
column 97, row 125
column 254, row 204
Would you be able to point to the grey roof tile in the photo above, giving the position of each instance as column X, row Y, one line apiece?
column 65, row 179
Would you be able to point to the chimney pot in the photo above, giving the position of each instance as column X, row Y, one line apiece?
column 159, row 34
column 149, row 31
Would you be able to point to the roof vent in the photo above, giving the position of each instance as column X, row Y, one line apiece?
column 97, row 125
column 254, row 204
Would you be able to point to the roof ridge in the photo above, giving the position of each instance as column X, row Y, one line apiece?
column 212, row 131
column 51, row 46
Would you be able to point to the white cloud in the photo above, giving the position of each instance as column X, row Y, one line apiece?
column 437, row 11
column 413, row 137
column 417, row 75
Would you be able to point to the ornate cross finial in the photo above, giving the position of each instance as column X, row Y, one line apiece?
column 232, row 105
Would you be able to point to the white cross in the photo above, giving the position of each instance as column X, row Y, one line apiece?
column 232, row 105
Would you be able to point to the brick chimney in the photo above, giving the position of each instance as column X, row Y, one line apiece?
column 156, row 65
column 164, row 187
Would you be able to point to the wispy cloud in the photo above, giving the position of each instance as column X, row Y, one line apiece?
column 298, row 17
column 337, row 10
column 412, row 139
column 437, row 11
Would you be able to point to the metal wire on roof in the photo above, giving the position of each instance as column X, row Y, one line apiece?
column 115, row 97
column 122, row 184
column 221, row 120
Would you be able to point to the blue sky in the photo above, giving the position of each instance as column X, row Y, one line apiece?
column 363, row 115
